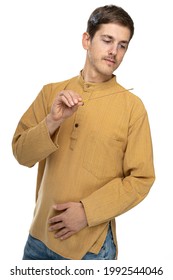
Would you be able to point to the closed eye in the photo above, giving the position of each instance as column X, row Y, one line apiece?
column 107, row 41
column 122, row 46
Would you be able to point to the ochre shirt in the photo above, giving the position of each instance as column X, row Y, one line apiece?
column 101, row 156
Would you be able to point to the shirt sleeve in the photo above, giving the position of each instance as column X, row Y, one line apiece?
column 121, row 194
column 31, row 142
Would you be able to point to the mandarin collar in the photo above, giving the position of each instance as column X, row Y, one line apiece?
column 94, row 86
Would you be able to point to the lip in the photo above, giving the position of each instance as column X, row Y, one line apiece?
column 110, row 61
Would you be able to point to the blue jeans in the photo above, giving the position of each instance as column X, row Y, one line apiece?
column 36, row 250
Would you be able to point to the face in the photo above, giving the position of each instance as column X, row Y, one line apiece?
column 106, row 50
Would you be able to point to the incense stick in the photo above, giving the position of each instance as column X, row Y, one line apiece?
column 86, row 100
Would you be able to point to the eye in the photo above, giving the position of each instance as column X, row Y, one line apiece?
column 107, row 41
column 122, row 46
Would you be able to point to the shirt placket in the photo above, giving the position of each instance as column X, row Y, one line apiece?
column 77, row 126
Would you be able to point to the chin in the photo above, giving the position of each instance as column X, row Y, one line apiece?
column 108, row 73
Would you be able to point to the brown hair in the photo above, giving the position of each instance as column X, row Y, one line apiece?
column 109, row 14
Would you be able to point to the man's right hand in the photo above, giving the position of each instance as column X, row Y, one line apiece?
column 64, row 105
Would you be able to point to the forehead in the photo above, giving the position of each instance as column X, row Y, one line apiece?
column 114, row 30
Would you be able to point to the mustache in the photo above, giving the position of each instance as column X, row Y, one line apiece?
column 109, row 57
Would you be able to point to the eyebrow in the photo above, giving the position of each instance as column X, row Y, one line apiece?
column 112, row 38
column 107, row 36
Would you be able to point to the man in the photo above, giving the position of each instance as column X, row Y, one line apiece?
column 92, row 141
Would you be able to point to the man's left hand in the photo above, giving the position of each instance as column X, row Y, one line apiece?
column 70, row 221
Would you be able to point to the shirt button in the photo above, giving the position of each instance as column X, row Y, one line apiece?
column 86, row 87
column 76, row 125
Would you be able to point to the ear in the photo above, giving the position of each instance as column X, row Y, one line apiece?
column 86, row 40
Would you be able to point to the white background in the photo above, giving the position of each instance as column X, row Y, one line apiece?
column 41, row 43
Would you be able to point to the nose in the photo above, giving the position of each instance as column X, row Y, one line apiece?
column 114, row 49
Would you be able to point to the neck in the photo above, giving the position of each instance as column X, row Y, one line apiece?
column 93, row 77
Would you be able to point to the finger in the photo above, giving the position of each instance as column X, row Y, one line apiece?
column 62, row 96
column 67, row 102
column 81, row 103
column 57, row 226
column 75, row 96
column 71, row 97
column 55, row 219
column 61, row 206
column 67, row 235
column 61, row 232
